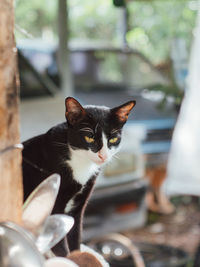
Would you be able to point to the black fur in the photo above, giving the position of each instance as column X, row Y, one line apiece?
column 47, row 154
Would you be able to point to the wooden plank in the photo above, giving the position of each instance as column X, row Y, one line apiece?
column 11, row 194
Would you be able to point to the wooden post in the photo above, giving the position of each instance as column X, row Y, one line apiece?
column 10, row 159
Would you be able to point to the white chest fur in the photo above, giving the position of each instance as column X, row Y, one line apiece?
column 83, row 168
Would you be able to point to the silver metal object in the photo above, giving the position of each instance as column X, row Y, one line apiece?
column 55, row 229
column 39, row 204
column 17, row 248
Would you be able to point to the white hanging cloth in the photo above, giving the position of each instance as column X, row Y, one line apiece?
column 184, row 161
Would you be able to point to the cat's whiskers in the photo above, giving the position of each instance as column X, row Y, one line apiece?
column 115, row 156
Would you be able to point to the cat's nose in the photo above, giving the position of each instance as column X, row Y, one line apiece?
column 102, row 156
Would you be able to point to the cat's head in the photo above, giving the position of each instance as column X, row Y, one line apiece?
column 95, row 131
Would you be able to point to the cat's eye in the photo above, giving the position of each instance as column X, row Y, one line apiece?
column 113, row 140
column 89, row 139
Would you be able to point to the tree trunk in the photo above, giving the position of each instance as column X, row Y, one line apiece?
column 10, row 157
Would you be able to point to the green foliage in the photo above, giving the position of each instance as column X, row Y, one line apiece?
column 93, row 20
column 152, row 24
column 35, row 16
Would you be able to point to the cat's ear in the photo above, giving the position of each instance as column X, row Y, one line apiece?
column 123, row 111
column 74, row 111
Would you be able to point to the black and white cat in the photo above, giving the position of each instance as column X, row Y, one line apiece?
column 75, row 149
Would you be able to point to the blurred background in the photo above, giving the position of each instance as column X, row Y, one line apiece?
column 106, row 53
